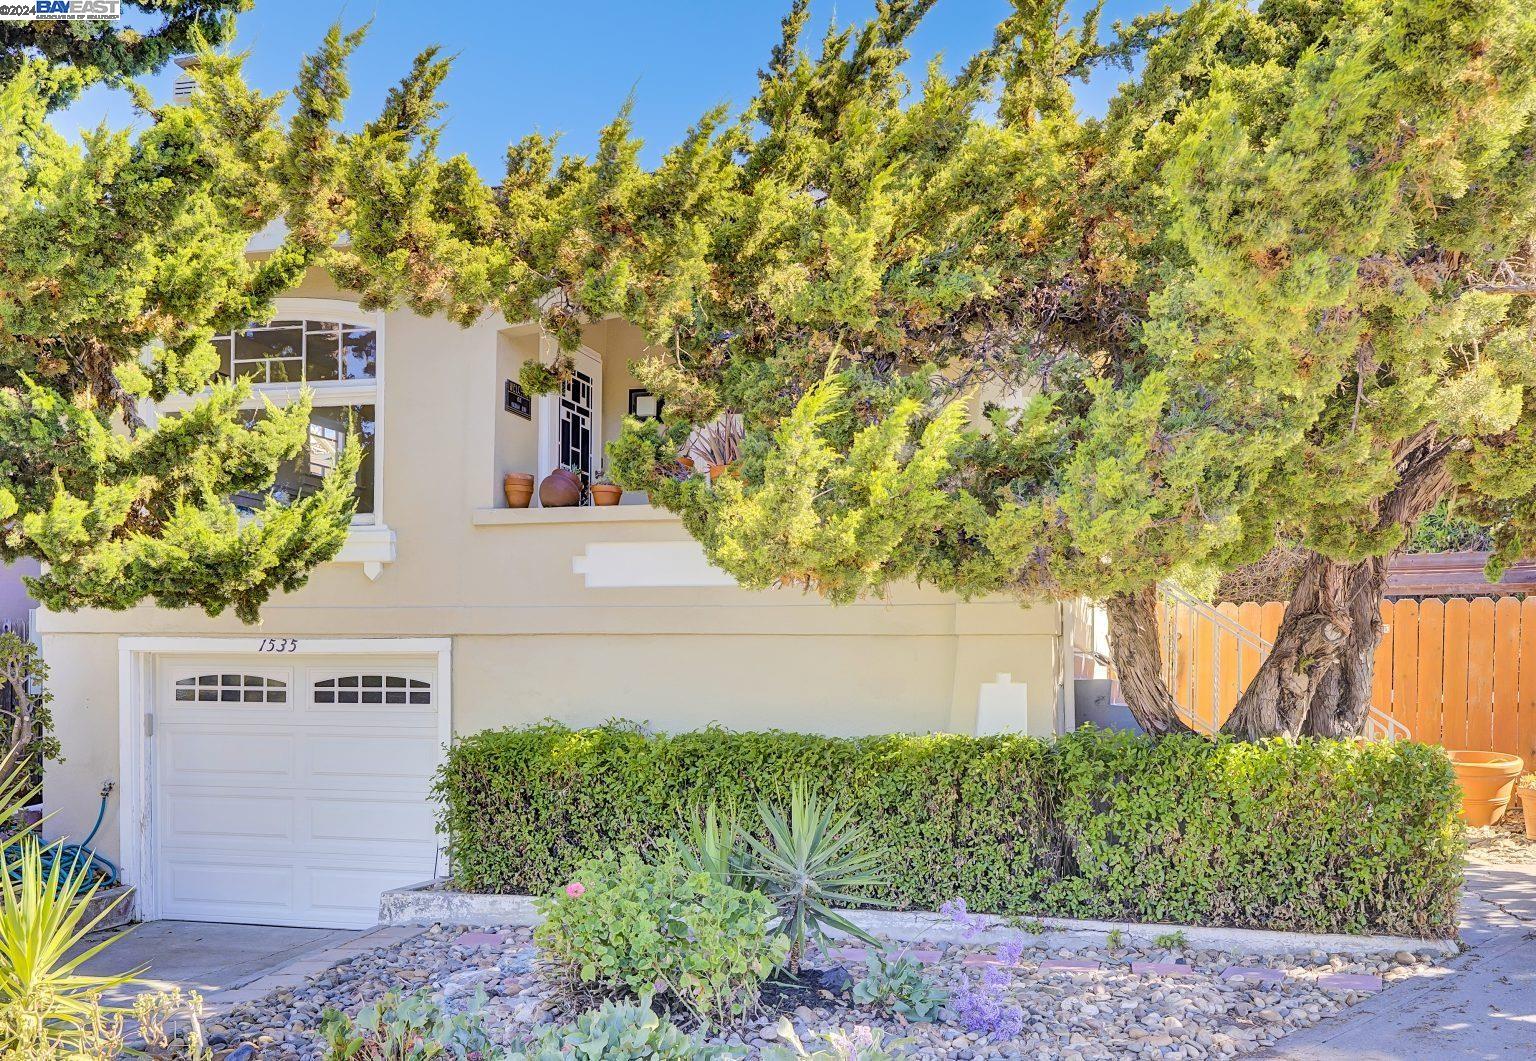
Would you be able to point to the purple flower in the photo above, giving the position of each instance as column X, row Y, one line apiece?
column 983, row 1008
column 1010, row 951
column 956, row 911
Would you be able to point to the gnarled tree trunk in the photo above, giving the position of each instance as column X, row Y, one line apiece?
column 1317, row 677
column 1304, row 656
column 1342, row 700
column 1134, row 649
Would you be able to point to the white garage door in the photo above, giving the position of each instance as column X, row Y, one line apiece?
column 292, row 793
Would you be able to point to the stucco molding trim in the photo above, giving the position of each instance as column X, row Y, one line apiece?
column 373, row 547
column 647, row 565
column 137, row 658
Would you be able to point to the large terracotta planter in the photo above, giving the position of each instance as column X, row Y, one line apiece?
column 518, row 487
column 1528, row 808
column 560, row 489
column 606, row 494
column 1487, row 781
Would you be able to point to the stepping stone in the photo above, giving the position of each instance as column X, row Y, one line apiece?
column 1161, row 969
column 1253, row 974
column 924, row 956
column 478, row 939
column 977, row 961
column 848, row 954
column 1069, row 965
column 1349, row 982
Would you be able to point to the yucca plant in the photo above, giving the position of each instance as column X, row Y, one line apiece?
column 714, row 846
column 814, row 859
column 47, row 1004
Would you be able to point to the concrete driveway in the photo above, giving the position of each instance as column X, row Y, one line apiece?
column 211, row 959
column 1481, row 1005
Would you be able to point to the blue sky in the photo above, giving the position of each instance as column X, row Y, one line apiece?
column 566, row 65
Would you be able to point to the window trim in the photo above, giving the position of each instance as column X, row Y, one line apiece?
column 323, row 392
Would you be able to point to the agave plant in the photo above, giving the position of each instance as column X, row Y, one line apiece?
column 812, row 861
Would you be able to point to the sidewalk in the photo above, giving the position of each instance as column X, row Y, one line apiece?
column 1481, row 1005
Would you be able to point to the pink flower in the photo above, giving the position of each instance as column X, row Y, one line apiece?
column 575, row 889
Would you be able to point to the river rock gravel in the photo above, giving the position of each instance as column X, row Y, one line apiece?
column 1189, row 1004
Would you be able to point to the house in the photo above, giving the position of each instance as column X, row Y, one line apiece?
column 15, row 604
column 280, row 774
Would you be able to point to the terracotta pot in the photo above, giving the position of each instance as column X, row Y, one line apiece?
column 560, row 489
column 606, row 493
column 518, row 486
column 685, row 463
column 1528, row 808
column 717, row 470
column 1487, row 781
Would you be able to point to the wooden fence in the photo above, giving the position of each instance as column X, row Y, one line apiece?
column 1459, row 672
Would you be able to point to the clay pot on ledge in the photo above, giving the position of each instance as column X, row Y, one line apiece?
column 1487, row 781
column 717, row 470
column 1528, row 807
column 561, row 488
column 518, row 486
column 605, row 493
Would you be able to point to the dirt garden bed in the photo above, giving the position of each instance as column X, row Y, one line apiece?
column 1504, row 841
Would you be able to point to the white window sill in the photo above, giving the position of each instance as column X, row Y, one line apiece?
column 371, row 546
column 504, row 517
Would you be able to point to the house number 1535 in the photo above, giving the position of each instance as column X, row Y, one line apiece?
column 278, row 644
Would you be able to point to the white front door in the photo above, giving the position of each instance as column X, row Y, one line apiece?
column 293, row 792
column 571, row 433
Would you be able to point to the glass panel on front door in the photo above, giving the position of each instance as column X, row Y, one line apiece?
column 576, row 415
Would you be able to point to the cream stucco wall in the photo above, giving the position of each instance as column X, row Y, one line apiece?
column 530, row 639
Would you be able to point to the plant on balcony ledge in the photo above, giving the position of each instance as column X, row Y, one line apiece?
column 605, row 492
column 719, row 444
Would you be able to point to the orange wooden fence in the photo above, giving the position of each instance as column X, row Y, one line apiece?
column 1459, row 672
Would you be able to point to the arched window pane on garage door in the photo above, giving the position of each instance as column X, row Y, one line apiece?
column 232, row 689
column 373, row 689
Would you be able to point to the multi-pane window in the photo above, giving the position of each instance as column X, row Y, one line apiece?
column 338, row 362
column 328, row 433
column 299, row 351
column 232, row 689
column 373, row 689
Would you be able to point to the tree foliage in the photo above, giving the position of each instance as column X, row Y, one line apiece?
column 89, row 51
column 1280, row 291
column 123, row 254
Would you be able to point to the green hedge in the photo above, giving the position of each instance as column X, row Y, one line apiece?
column 1314, row 835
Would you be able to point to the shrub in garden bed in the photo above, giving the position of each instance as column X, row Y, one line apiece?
column 623, row 928
column 1308, row 835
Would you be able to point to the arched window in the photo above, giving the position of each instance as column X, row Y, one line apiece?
column 232, row 689
column 373, row 689
column 299, row 351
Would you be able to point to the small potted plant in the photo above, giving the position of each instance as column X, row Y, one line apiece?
column 561, row 488
column 518, row 486
column 605, row 492
column 719, row 444
column 1527, row 790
